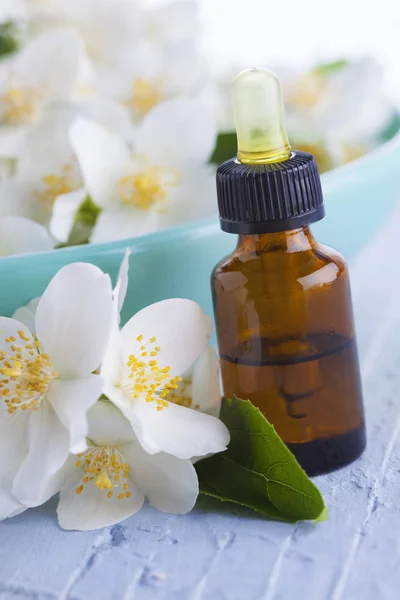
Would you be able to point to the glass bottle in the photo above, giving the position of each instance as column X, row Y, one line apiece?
column 282, row 301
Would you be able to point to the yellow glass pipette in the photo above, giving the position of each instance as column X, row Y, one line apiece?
column 260, row 117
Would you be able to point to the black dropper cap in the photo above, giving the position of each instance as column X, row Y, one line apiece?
column 267, row 188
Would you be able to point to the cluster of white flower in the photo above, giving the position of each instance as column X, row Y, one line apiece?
column 107, row 99
column 113, row 101
column 103, row 415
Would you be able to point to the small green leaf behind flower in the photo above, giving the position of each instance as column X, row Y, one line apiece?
column 9, row 38
column 225, row 148
column 331, row 67
column 258, row 471
column 85, row 220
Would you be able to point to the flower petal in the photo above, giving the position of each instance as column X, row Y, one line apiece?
column 105, row 112
column 48, row 450
column 174, row 21
column 177, row 430
column 92, row 508
column 103, row 158
column 178, row 133
column 206, row 391
column 13, row 450
column 123, row 223
column 73, row 319
column 185, row 71
column 182, row 331
column 122, row 282
column 112, row 363
column 9, row 506
column 194, row 198
column 47, row 147
column 55, row 482
column 12, row 139
column 111, row 367
column 47, row 152
column 17, row 199
column 109, row 114
column 71, row 400
column 170, row 484
column 23, row 236
column 64, row 211
column 51, row 63
column 121, row 401
column 107, row 425
column 27, row 314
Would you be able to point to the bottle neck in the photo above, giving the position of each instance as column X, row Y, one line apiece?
column 295, row 240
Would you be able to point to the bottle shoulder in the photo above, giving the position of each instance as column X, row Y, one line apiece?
column 317, row 265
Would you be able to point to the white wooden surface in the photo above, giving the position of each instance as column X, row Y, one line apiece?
column 217, row 555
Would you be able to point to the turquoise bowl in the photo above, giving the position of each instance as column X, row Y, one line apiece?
column 177, row 262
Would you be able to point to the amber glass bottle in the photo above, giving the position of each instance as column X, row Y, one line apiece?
column 283, row 309
column 286, row 340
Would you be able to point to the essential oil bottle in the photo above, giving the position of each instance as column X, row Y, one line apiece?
column 282, row 301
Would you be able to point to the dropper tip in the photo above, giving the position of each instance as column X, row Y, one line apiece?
column 260, row 117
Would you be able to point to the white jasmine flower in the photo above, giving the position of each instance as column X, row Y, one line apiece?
column 109, row 27
column 104, row 26
column 23, row 236
column 109, row 481
column 47, row 167
column 341, row 106
column 147, row 74
column 146, row 374
column 164, row 182
column 45, row 70
column 172, row 23
column 47, row 383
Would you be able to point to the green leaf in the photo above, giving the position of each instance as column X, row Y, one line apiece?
column 258, row 470
column 331, row 67
column 225, row 148
column 85, row 220
column 9, row 41
column 392, row 127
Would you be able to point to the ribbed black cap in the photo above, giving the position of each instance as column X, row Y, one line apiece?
column 267, row 198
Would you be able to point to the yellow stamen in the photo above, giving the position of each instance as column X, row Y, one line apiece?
column 144, row 96
column 26, row 373
column 103, row 481
column 23, row 336
column 148, row 187
column 146, row 377
column 105, row 463
column 56, row 184
column 19, row 105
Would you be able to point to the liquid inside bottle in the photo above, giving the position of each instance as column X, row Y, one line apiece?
column 303, row 387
